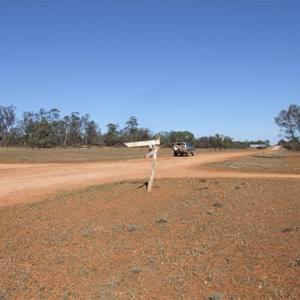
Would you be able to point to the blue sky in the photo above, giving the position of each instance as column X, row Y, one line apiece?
column 208, row 67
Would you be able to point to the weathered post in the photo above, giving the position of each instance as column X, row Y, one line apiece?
column 154, row 156
column 153, row 153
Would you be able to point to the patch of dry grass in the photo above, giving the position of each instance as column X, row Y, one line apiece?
column 266, row 162
column 73, row 155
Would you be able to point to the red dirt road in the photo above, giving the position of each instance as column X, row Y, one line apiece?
column 20, row 183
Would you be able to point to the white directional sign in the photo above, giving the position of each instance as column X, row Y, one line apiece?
column 143, row 143
column 154, row 147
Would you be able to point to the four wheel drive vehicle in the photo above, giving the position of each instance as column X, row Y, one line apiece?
column 183, row 148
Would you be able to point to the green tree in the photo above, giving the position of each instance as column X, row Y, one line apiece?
column 92, row 133
column 218, row 141
column 227, row 142
column 205, row 142
column 75, row 128
column 46, row 128
column 54, row 120
column 65, row 124
column 40, row 129
column 289, row 123
column 27, row 129
column 143, row 134
column 111, row 138
column 131, row 128
column 165, row 138
column 7, row 120
column 181, row 136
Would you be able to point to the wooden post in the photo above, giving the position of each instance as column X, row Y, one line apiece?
column 155, row 147
column 154, row 156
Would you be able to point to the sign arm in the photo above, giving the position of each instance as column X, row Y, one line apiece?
column 153, row 153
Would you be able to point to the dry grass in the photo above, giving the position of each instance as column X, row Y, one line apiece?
column 282, row 161
column 73, row 155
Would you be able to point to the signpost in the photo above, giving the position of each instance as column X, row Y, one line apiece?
column 154, row 147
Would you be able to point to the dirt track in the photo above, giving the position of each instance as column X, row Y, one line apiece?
column 20, row 183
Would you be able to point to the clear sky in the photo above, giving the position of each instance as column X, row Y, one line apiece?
column 208, row 67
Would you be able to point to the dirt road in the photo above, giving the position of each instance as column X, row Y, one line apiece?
column 20, row 183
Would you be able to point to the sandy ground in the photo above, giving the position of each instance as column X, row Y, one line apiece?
column 201, row 235
column 21, row 183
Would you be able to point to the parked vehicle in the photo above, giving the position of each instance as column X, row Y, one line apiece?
column 183, row 148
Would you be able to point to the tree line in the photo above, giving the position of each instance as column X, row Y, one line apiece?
column 47, row 129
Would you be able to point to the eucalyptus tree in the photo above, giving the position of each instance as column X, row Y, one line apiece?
column 26, row 127
column 131, row 128
column 289, row 123
column 218, row 141
column 64, row 129
column 40, row 129
column 227, row 142
column 75, row 126
column 181, row 136
column 112, row 136
column 46, row 125
column 143, row 134
column 92, row 133
column 7, row 120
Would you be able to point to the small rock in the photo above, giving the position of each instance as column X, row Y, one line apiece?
column 161, row 220
column 136, row 270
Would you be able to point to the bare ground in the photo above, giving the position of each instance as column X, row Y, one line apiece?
column 20, row 183
column 212, row 233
